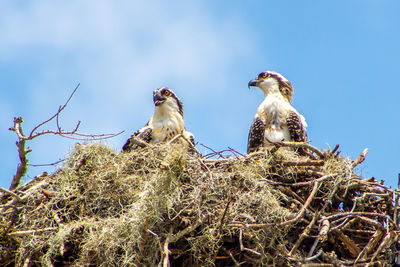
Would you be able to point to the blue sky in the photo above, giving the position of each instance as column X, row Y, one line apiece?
column 342, row 58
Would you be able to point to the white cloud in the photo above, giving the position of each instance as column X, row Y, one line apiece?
column 123, row 47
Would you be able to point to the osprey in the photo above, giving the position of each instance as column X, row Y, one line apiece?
column 276, row 119
column 166, row 122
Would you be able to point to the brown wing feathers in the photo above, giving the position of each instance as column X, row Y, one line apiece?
column 296, row 128
column 256, row 135
column 145, row 136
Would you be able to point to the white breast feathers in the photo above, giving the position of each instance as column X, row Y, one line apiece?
column 166, row 122
column 274, row 110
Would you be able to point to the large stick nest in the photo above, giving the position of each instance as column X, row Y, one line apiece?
column 163, row 206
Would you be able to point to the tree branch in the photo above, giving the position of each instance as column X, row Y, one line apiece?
column 61, row 108
column 22, row 152
column 22, row 138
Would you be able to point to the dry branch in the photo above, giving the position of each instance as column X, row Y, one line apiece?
column 360, row 158
column 301, row 163
column 22, row 152
column 322, row 235
column 300, row 145
column 22, row 138
column 10, row 193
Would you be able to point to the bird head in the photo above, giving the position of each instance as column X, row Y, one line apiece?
column 165, row 96
column 268, row 81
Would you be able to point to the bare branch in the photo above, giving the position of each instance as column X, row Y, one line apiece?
column 301, row 163
column 242, row 247
column 213, row 152
column 300, row 145
column 92, row 137
column 360, row 158
column 235, row 152
column 61, row 108
column 360, row 213
column 335, row 149
column 322, row 235
column 49, row 164
column 10, row 193
column 23, row 151
column 305, row 206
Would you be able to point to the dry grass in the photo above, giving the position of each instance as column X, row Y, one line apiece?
column 161, row 205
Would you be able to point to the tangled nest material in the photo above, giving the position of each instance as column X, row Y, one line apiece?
column 163, row 206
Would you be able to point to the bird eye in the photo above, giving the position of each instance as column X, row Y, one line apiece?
column 264, row 75
column 167, row 93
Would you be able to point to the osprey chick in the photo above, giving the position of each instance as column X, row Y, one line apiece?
column 166, row 122
column 276, row 119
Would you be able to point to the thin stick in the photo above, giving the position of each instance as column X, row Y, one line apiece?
column 158, row 240
column 242, row 247
column 49, row 164
column 301, row 163
column 387, row 240
column 86, row 137
column 176, row 137
column 310, row 258
column 301, row 145
column 179, row 213
column 335, row 149
column 61, row 108
column 358, row 213
column 304, row 234
column 230, row 255
column 305, row 206
column 10, row 193
column 322, row 235
column 184, row 232
column 225, row 211
column 187, row 141
column 166, row 252
column 373, row 242
column 139, row 142
column 235, row 152
column 323, row 178
column 360, row 158
column 30, row 232
column 215, row 152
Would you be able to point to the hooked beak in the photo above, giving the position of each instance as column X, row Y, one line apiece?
column 158, row 99
column 253, row 82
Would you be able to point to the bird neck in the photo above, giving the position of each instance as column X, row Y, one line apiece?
column 167, row 109
column 273, row 92
column 168, row 115
column 270, row 86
